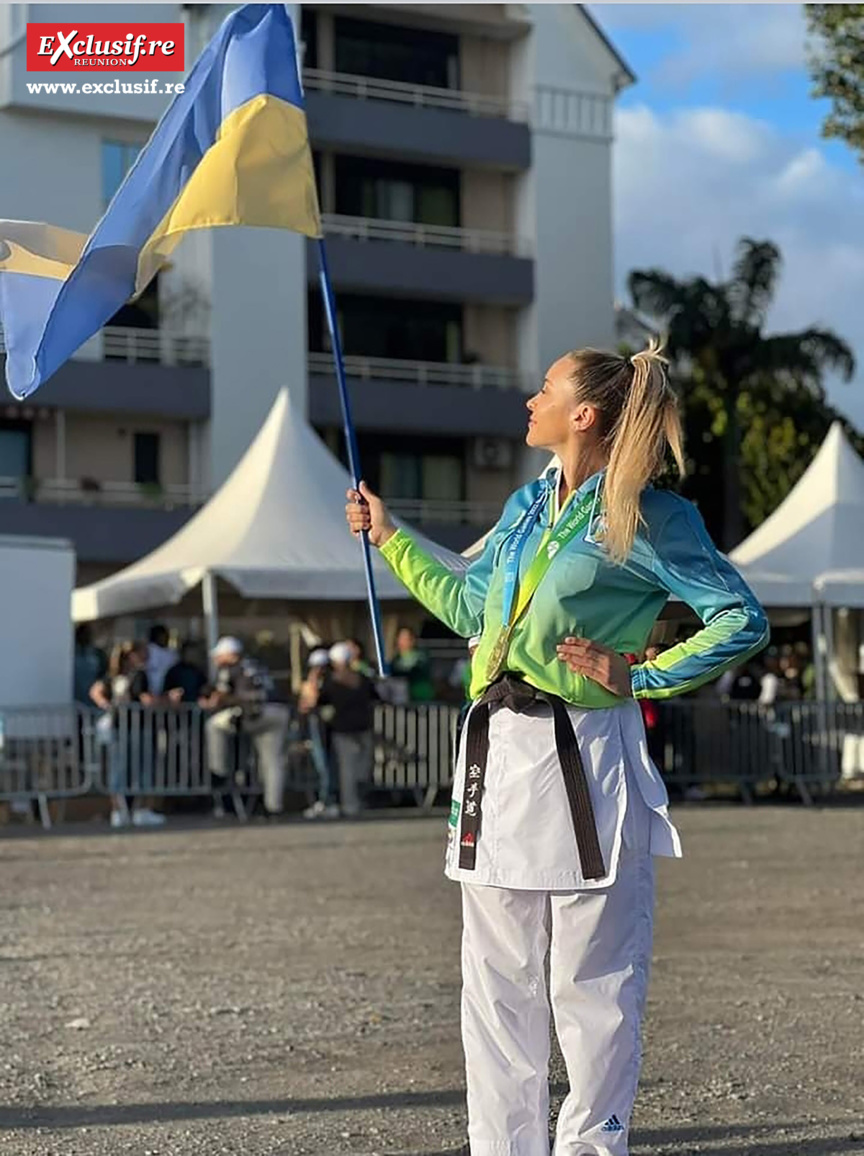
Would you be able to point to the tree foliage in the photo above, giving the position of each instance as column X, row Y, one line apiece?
column 836, row 59
column 754, row 403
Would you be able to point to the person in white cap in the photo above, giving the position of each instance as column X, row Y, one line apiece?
column 325, row 806
column 557, row 809
column 240, row 701
column 351, row 697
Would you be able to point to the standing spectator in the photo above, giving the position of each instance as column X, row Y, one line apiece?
column 160, row 658
column 325, row 806
column 185, row 681
column 808, row 670
column 90, row 664
column 792, row 686
column 770, row 686
column 358, row 658
column 412, row 664
column 723, row 685
column 745, row 685
column 352, row 697
column 126, row 733
column 241, row 701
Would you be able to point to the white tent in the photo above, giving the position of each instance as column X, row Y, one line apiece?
column 817, row 530
column 275, row 529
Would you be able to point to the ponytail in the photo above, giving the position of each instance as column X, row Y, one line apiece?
column 639, row 420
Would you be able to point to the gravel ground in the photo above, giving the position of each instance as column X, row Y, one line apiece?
column 294, row 989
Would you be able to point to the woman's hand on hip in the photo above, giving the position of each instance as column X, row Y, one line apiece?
column 606, row 667
column 366, row 511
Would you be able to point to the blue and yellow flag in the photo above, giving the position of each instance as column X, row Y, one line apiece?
column 232, row 149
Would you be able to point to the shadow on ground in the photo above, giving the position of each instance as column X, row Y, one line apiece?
column 723, row 1140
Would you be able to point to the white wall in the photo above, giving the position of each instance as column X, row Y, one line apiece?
column 257, row 335
column 566, row 199
column 572, row 185
column 55, row 174
column 36, row 578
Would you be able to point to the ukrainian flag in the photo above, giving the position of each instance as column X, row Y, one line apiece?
column 232, row 149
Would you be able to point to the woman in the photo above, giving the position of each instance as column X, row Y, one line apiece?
column 571, row 579
column 351, row 697
column 128, row 735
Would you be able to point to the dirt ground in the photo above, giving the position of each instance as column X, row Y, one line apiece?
column 294, row 989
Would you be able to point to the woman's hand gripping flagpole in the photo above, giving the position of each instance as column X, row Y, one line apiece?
column 353, row 455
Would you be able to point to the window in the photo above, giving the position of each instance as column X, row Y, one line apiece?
column 147, row 459
column 386, row 51
column 309, row 38
column 117, row 159
column 390, row 191
column 427, row 468
column 15, row 449
column 430, row 476
column 390, row 327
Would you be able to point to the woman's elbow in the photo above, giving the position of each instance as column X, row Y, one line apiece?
column 758, row 628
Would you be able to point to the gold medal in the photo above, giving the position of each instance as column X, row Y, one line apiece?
column 499, row 653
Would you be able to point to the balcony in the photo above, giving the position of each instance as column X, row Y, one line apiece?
column 154, row 347
column 421, row 396
column 413, row 121
column 421, row 372
column 425, row 261
column 143, row 347
column 480, row 515
column 90, row 492
column 415, row 95
column 427, row 236
column 162, row 373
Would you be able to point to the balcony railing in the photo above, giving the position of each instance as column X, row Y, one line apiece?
column 94, row 492
column 419, row 95
column 434, row 236
column 421, row 372
column 158, row 346
column 483, row 514
column 153, row 346
column 149, row 346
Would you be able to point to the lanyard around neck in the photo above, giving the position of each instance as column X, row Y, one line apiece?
column 568, row 525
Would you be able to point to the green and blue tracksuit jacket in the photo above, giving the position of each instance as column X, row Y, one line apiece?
column 583, row 593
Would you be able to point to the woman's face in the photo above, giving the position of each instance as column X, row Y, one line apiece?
column 555, row 413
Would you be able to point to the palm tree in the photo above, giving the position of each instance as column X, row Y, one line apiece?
column 715, row 337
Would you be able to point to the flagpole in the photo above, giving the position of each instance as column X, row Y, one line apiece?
column 353, row 454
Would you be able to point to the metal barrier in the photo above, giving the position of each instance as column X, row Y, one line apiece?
column 58, row 753
column 46, row 753
column 414, row 747
column 161, row 752
column 810, row 747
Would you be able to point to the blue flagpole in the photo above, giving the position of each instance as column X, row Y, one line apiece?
column 353, row 455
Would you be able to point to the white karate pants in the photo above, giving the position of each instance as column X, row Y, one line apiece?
column 599, row 964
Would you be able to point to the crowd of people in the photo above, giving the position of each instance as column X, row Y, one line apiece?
column 781, row 674
column 333, row 714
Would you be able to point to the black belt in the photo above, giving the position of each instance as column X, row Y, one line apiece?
column 518, row 696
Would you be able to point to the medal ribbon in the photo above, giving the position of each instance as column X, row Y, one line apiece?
column 567, row 528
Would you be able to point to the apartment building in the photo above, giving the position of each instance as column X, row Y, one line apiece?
column 463, row 154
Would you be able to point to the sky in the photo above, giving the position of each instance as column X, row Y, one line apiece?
column 720, row 138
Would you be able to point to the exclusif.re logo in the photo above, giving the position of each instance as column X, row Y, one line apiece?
column 107, row 47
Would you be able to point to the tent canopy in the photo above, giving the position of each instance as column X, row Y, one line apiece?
column 816, row 530
column 275, row 529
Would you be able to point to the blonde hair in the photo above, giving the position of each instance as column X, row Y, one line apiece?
column 639, row 420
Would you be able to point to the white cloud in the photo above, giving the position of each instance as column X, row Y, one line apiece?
column 732, row 40
column 690, row 184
